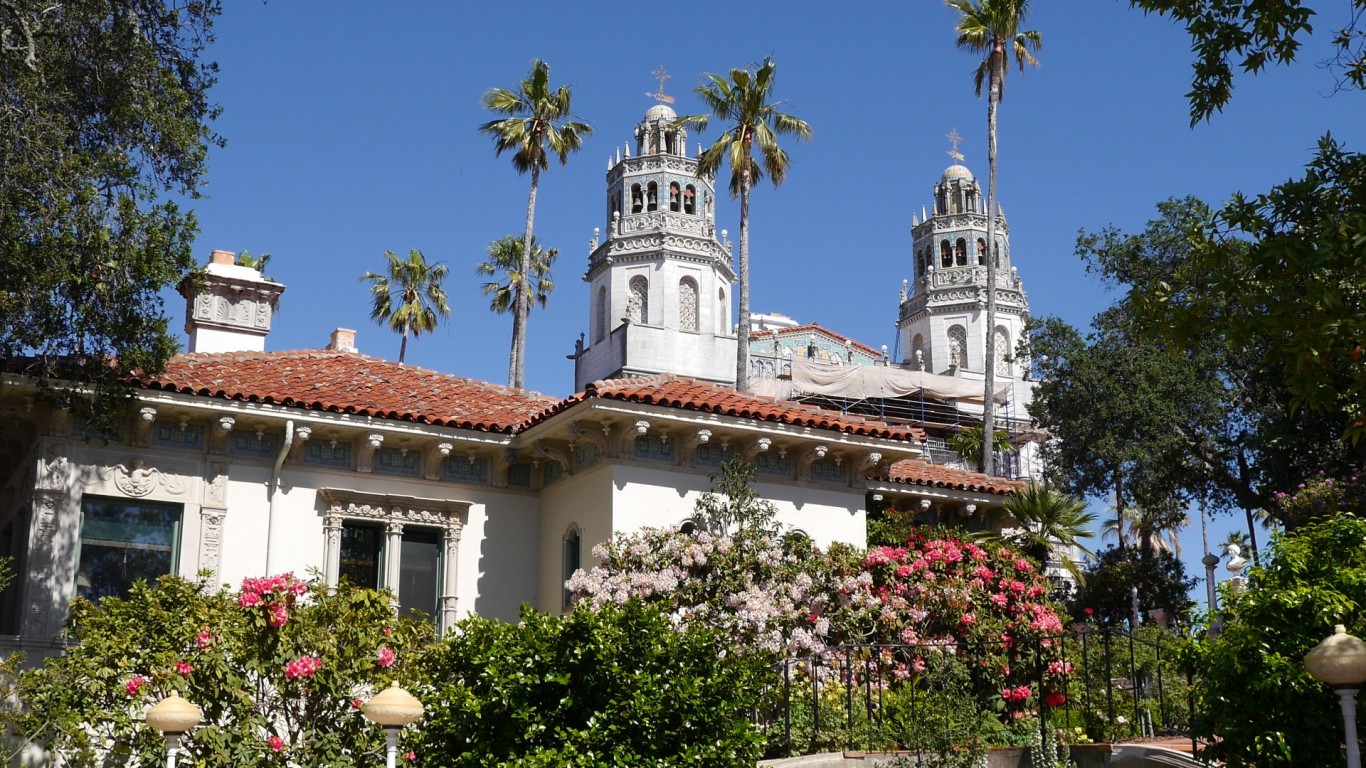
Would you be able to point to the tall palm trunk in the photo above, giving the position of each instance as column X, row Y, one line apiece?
column 989, row 358
column 1252, row 534
column 403, row 345
column 742, row 335
column 520, row 309
column 1119, row 509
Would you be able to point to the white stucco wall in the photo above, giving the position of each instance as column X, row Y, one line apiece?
column 583, row 500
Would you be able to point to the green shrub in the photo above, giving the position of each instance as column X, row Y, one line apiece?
column 608, row 686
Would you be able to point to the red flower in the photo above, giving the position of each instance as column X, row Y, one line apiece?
column 1088, row 611
column 276, row 743
column 357, row 703
column 1054, row 699
column 183, row 668
column 134, row 685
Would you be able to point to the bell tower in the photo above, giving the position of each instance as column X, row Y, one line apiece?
column 942, row 321
column 660, row 282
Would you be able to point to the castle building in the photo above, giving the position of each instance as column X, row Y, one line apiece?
column 660, row 283
column 462, row 496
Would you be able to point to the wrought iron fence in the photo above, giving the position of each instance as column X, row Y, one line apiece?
column 1090, row 684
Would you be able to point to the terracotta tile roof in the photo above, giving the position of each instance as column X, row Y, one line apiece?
column 691, row 394
column 918, row 472
column 815, row 328
column 344, row 382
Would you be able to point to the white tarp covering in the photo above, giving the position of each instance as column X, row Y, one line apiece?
column 861, row 382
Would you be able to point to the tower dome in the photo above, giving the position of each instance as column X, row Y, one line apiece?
column 957, row 171
column 661, row 111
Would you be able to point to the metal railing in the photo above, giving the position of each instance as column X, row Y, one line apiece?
column 1111, row 686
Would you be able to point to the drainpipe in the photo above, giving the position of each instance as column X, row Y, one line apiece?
column 273, row 491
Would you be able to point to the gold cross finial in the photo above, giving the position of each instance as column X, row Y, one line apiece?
column 955, row 139
column 662, row 75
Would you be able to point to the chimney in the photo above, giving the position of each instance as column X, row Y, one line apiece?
column 229, row 308
column 343, row 340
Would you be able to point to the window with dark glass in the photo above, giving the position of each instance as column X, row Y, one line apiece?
column 124, row 541
column 572, row 560
column 419, row 571
column 362, row 555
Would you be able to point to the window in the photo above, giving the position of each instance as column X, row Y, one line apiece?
column 600, row 326
column 123, row 541
column 362, row 563
column 958, row 346
column 572, row 559
column 652, row 196
column 981, row 252
column 690, row 199
column 687, row 304
column 405, row 544
column 945, row 254
column 960, row 252
column 675, row 197
column 637, row 199
column 1001, row 350
column 638, row 303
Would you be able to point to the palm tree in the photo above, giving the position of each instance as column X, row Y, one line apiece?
column 505, row 258
column 1138, row 527
column 743, row 99
column 409, row 297
column 537, row 118
column 988, row 27
column 1047, row 518
column 968, row 445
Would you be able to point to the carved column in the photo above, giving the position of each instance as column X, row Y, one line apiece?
column 212, row 511
column 450, row 541
column 43, row 587
column 365, row 460
column 393, row 552
column 332, row 533
column 222, row 430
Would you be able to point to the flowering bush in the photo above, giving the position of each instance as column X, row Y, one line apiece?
column 1322, row 495
column 950, row 595
column 277, row 667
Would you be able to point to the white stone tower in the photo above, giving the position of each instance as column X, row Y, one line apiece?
column 660, row 283
column 942, row 321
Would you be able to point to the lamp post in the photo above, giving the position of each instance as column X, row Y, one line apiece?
column 392, row 709
column 1340, row 661
column 174, row 717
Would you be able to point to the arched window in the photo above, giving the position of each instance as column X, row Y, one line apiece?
column 945, row 254
column 571, row 559
column 690, row 199
column 687, row 304
column 958, row 346
column 638, row 305
column 600, row 319
column 960, row 252
column 981, row 252
column 652, row 197
column 1001, row 350
column 675, row 197
column 998, row 254
column 918, row 350
column 972, row 200
column 722, row 312
column 637, row 199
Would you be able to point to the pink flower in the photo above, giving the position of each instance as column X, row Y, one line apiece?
column 134, row 685
column 386, row 657
column 204, row 639
column 279, row 615
column 249, row 599
column 275, row 743
column 183, row 668
column 1059, row 667
column 357, row 703
column 410, row 755
column 304, row 666
column 1023, row 565
column 388, row 631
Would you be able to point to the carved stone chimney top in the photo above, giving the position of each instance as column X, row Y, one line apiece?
column 343, row 340
column 228, row 307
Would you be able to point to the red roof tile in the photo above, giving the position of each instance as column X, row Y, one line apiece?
column 918, row 472
column 816, row 328
column 344, row 382
column 690, row 394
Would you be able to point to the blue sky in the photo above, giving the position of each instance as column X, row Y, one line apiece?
column 351, row 129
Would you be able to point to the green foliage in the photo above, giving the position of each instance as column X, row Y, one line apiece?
column 408, row 296
column 505, row 258
column 967, row 443
column 733, row 503
column 258, row 263
column 536, row 117
column 1141, row 677
column 1254, row 697
column 1049, row 517
column 1253, row 34
column 230, row 654
column 991, row 28
column 611, row 686
column 1159, row 576
column 106, row 111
